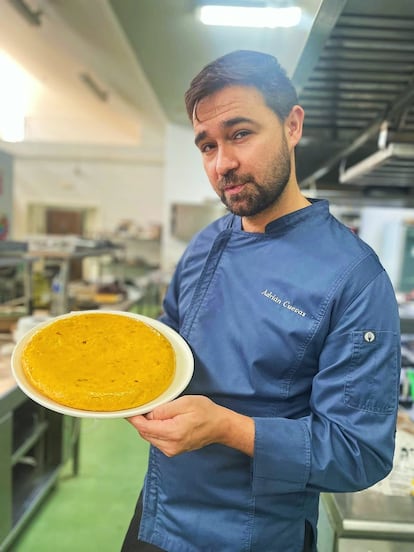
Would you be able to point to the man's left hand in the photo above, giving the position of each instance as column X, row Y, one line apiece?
column 194, row 421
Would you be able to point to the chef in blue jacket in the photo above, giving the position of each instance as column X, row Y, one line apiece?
column 294, row 327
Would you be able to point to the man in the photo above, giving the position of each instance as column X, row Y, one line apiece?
column 295, row 332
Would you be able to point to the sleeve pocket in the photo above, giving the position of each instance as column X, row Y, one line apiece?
column 372, row 379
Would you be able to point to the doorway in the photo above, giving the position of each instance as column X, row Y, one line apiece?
column 64, row 221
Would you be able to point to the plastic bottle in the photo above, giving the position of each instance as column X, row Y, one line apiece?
column 57, row 296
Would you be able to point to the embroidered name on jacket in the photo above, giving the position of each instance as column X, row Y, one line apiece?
column 283, row 303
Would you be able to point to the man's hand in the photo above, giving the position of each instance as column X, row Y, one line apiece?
column 192, row 422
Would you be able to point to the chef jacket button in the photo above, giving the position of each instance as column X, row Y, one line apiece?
column 369, row 337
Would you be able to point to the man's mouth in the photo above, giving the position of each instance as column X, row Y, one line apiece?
column 233, row 189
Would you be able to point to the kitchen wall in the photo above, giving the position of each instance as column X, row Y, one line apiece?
column 184, row 182
column 6, row 197
column 114, row 184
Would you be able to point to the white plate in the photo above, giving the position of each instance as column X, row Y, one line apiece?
column 183, row 371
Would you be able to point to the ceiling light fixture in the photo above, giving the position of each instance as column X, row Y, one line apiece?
column 249, row 16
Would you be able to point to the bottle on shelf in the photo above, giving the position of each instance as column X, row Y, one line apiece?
column 57, row 306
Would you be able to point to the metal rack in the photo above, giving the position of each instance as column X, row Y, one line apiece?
column 34, row 444
column 26, row 263
column 64, row 260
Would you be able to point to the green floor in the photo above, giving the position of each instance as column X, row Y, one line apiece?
column 91, row 512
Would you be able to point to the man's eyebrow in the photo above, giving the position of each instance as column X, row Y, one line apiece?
column 225, row 124
column 200, row 136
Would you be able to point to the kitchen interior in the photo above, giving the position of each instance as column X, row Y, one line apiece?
column 101, row 188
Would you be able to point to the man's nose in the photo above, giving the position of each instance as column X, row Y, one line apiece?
column 226, row 161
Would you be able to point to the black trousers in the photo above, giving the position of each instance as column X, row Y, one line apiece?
column 131, row 544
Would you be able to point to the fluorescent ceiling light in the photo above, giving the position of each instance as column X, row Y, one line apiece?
column 237, row 16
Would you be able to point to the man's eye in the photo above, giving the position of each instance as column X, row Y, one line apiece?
column 241, row 134
column 206, row 148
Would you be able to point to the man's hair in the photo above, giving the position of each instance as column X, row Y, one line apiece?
column 244, row 68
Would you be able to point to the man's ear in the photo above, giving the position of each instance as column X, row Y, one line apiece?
column 294, row 125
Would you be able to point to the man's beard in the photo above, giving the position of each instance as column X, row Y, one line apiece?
column 254, row 197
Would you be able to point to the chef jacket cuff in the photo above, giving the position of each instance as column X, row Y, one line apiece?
column 281, row 457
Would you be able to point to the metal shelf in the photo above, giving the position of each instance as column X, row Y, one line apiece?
column 38, row 432
column 30, row 460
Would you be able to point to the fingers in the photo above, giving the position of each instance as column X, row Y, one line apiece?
column 133, row 420
column 161, row 434
column 170, row 410
column 153, row 428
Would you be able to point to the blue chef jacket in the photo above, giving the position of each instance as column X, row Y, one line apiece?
column 298, row 328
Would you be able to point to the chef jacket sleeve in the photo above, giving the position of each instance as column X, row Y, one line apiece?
column 170, row 315
column 346, row 443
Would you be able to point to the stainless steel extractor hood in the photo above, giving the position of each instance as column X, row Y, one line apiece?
column 391, row 166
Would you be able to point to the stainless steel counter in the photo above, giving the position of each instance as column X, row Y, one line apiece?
column 367, row 521
column 10, row 394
